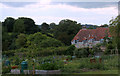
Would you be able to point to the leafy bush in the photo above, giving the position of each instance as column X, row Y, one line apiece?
column 8, row 53
column 40, row 40
column 50, row 42
column 6, row 69
column 97, row 65
column 86, row 64
column 70, row 50
column 109, row 48
column 50, row 63
column 21, row 40
column 51, row 51
column 49, row 66
column 69, row 57
column 82, row 52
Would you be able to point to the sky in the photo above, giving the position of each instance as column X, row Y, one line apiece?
column 96, row 13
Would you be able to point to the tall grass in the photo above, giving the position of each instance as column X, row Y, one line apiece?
column 108, row 63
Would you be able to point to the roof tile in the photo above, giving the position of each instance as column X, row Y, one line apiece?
column 97, row 34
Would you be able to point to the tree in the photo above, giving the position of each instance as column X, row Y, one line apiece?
column 44, row 27
column 115, row 31
column 25, row 25
column 50, row 42
column 82, row 52
column 70, row 50
column 42, row 41
column 52, row 25
column 8, row 41
column 5, row 41
column 21, row 40
column 91, row 27
column 109, row 48
column 8, row 24
column 19, row 26
column 66, row 30
column 105, row 25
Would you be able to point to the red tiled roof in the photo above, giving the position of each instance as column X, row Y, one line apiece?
column 97, row 34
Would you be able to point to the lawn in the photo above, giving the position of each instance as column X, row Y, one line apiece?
column 102, row 72
column 83, row 65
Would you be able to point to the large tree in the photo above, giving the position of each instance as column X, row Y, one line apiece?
column 25, row 25
column 8, row 24
column 21, row 41
column 44, row 28
column 115, row 31
column 66, row 30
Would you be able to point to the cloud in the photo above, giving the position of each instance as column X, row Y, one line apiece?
column 56, row 12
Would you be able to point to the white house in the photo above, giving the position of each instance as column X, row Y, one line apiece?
column 90, row 37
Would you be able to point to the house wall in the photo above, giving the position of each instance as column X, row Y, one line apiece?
column 81, row 45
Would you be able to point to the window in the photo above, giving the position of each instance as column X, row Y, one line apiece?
column 75, row 41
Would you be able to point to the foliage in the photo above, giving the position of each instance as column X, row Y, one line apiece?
column 25, row 25
column 109, row 49
column 8, row 41
column 92, row 52
column 80, row 65
column 115, row 31
column 50, row 42
column 50, row 63
column 70, row 50
column 8, row 24
column 69, row 57
column 63, row 32
column 52, row 51
column 8, row 53
column 6, row 69
column 96, row 48
column 40, row 40
column 5, row 41
column 82, row 52
column 53, row 25
column 44, row 28
column 66, row 30
column 96, row 65
column 21, row 40
column 105, row 25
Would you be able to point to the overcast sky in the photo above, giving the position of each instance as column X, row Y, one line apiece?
column 96, row 13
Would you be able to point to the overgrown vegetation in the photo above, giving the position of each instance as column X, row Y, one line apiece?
column 49, row 45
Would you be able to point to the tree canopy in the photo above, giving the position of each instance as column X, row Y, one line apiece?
column 66, row 30
column 25, row 25
column 115, row 31
column 8, row 24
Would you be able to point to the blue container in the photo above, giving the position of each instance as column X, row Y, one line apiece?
column 24, row 65
column 7, row 62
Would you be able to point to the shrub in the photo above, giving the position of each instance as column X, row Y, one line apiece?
column 51, row 51
column 88, row 65
column 70, row 50
column 50, row 42
column 50, row 63
column 8, row 53
column 109, row 48
column 69, row 57
column 97, row 65
column 82, row 52
column 6, row 69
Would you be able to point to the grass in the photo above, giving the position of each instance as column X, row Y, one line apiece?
column 81, row 65
column 102, row 72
